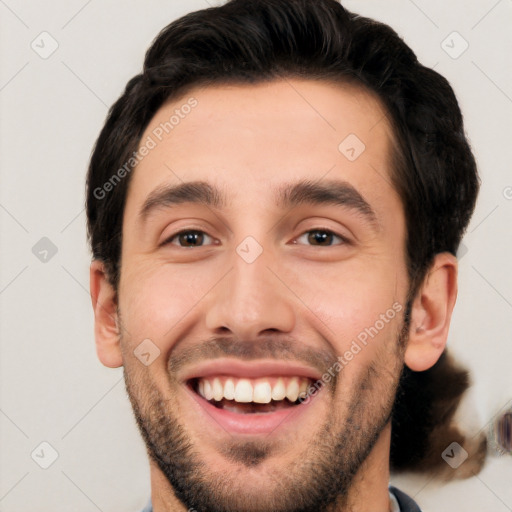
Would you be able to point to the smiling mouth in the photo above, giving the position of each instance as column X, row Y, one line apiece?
column 252, row 396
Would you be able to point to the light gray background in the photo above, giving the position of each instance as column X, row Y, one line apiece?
column 53, row 388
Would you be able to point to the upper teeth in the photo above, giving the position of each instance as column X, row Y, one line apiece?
column 260, row 391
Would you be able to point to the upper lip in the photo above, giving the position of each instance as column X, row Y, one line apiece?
column 252, row 369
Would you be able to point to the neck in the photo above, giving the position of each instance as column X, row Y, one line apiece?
column 369, row 489
column 368, row 492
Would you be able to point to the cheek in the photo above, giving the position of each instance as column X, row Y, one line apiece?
column 156, row 300
column 356, row 301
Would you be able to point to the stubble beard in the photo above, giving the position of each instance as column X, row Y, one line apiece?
column 320, row 477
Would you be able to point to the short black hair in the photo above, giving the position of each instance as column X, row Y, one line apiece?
column 251, row 41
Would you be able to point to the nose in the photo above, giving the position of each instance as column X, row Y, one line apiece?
column 250, row 301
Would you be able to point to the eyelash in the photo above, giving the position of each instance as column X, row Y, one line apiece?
column 343, row 240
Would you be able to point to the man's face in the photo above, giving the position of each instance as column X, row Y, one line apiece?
column 287, row 255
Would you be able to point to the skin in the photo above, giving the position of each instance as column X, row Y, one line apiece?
column 249, row 140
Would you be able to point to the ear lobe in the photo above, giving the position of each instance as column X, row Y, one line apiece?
column 106, row 327
column 431, row 313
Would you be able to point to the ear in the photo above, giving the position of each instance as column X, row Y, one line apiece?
column 106, row 327
column 431, row 313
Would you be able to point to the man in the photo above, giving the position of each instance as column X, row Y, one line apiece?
column 274, row 207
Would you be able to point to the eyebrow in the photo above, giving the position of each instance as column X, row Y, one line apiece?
column 190, row 192
column 327, row 192
column 288, row 196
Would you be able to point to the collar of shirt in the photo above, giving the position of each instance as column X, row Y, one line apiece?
column 394, row 506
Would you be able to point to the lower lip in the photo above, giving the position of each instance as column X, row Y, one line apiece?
column 252, row 423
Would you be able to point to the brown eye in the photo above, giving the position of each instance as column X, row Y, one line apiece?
column 321, row 238
column 191, row 238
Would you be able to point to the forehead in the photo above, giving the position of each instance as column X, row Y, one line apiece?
column 250, row 138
